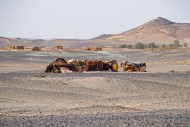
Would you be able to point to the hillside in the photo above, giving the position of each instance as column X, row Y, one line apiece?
column 4, row 41
column 103, row 36
column 159, row 30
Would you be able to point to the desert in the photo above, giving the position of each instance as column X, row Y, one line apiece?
column 94, row 63
column 158, row 97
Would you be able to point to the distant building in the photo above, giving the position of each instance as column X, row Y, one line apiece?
column 13, row 47
column 57, row 47
column 93, row 49
column 36, row 49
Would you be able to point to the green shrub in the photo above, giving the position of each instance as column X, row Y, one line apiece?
column 176, row 44
column 122, row 46
column 152, row 45
column 130, row 46
column 185, row 45
column 171, row 45
column 163, row 46
column 139, row 45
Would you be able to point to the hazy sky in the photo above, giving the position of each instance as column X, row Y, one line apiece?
column 84, row 18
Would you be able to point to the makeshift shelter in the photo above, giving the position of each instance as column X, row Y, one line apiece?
column 14, row 47
column 93, row 49
column 113, row 65
column 57, row 47
column 131, row 67
column 36, row 49
column 60, row 65
column 95, row 66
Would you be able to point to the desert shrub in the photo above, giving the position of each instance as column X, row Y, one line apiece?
column 152, row 45
column 185, row 45
column 126, row 46
column 176, row 44
column 163, row 46
column 139, row 45
column 145, row 46
column 157, row 46
column 130, row 46
column 171, row 46
column 123, row 46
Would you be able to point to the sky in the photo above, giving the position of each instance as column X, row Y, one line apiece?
column 84, row 19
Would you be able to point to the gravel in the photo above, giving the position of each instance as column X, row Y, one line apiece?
column 95, row 99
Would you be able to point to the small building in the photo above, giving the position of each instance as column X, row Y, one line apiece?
column 93, row 49
column 14, row 47
column 57, row 47
column 36, row 49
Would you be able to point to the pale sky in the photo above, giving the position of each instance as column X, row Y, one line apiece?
column 84, row 19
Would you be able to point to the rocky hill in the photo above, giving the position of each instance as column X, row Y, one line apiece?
column 159, row 30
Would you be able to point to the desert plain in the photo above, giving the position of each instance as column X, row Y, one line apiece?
column 158, row 97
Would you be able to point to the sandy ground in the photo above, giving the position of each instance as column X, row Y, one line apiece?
column 157, row 61
column 29, row 97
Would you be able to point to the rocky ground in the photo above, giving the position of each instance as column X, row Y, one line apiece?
column 140, row 119
column 95, row 99
column 160, row 97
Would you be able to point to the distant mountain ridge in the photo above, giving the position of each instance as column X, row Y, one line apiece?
column 4, row 41
column 103, row 36
column 159, row 30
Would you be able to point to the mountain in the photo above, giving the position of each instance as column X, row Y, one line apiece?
column 103, row 36
column 4, row 41
column 159, row 30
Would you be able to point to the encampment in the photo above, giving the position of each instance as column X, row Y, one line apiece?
column 80, row 65
column 14, row 47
